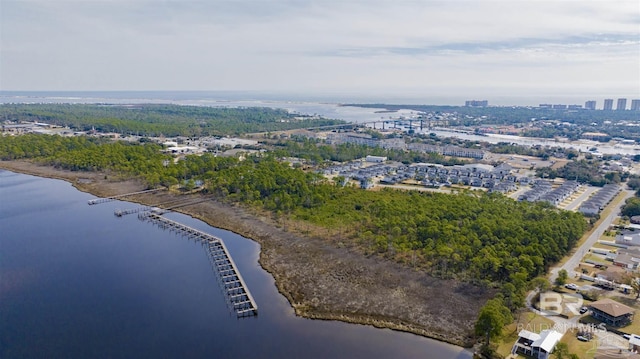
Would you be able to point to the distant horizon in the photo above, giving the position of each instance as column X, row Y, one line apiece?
column 430, row 51
column 337, row 97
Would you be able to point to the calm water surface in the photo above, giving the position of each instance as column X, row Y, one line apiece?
column 77, row 282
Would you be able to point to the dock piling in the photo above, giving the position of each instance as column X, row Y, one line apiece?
column 235, row 289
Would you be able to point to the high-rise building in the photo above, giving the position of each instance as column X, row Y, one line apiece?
column 622, row 104
column 590, row 105
column 476, row 103
column 608, row 104
column 635, row 105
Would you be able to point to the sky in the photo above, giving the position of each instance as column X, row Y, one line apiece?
column 476, row 49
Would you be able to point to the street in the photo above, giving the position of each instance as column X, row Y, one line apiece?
column 579, row 252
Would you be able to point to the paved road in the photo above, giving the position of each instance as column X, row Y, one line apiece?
column 593, row 238
column 521, row 190
column 602, row 339
column 581, row 198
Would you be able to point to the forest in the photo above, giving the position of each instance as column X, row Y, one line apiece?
column 166, row 120
column 486, row 239
column 631, row 207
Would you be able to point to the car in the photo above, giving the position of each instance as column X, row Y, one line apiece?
column 584, row 310
column 571, row 286
column 583, row 339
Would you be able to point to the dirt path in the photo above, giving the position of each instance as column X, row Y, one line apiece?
column 320, row 280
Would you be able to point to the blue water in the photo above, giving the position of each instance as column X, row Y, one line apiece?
column 78, row 282
column 324, row 106
column 333, row 97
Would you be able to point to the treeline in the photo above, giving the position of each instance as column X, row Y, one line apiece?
column 156, row 120
column 583, row 171
column 486, row 239
column 472, row 236
column 476, row 237
column 81, row 153
column 535, row 151
column 632, row 205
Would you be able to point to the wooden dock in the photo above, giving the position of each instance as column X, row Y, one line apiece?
column 235, row 289
column 113, row 198
column 124, row 212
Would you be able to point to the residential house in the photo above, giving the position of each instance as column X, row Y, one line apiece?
column 629, row 238
column 538, row 346
column 611, row 312
column 626, row 261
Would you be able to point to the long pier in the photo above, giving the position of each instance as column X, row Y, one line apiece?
column 113, row 198
column 157, row 209
column 235, row 289
column 166, row 207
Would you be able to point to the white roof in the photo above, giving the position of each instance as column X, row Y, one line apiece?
column 634, row 339
column 528, row 335
column 548, row 340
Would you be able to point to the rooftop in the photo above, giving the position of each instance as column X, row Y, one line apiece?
column 612, row 307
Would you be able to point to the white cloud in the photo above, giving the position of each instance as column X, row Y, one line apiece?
column 358, row 46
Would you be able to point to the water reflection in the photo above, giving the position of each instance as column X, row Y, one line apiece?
column 76, row 281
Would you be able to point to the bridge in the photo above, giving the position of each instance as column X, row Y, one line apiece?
column 235, row 289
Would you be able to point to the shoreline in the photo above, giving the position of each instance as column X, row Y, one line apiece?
column 319, row 279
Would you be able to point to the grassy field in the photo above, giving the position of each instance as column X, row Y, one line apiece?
column 605, row 246
column 585, row 350
column 629, row 300
column 596, row 258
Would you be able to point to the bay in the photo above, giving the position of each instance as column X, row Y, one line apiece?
column 78, row 282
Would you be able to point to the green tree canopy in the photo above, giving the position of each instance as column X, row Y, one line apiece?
column 492, row 318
